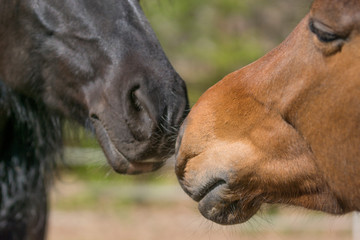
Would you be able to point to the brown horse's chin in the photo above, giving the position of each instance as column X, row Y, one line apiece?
column 118, row 161
column 218, row 207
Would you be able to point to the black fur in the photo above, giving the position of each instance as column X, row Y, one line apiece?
column 31, row 141
column 81, row 60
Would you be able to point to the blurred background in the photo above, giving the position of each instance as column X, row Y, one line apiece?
column 204, row 40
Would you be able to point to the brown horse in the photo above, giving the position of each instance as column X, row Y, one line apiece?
column 285, row 129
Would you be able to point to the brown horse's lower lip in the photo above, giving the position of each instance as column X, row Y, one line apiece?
column 216, row 208
column 221, row 212
column 219, row 207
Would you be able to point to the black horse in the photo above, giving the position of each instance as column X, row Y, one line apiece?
column 97, row 62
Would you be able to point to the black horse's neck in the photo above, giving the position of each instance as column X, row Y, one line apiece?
column 29, row 144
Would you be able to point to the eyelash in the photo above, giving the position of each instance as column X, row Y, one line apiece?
column 325, row 37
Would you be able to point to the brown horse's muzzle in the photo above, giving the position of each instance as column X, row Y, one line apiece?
column 204, row 167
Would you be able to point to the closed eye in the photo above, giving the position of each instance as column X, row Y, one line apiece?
column 323, row 33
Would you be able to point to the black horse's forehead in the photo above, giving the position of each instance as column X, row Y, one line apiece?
column 87, row 15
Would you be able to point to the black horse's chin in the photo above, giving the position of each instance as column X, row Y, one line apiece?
column 118, row 161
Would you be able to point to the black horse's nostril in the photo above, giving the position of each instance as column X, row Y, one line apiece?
column 142, row 102
column 134, row 99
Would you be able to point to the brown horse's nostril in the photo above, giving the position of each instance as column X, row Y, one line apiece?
column 93, row 116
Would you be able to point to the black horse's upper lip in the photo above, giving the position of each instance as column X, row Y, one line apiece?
column 201, row 192
column 100, row 127
column 119, row 162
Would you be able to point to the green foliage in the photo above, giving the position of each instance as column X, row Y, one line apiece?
column 201, row 39
column 101, row 188
column 76, row 136
column 104, row 175
column 207, row 39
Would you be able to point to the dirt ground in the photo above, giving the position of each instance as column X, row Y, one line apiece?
column 179, row 223
column 173, row 216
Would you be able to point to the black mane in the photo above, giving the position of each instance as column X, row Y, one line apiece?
column 31, row 144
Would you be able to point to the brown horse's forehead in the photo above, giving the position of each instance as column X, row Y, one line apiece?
column 337, row 13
